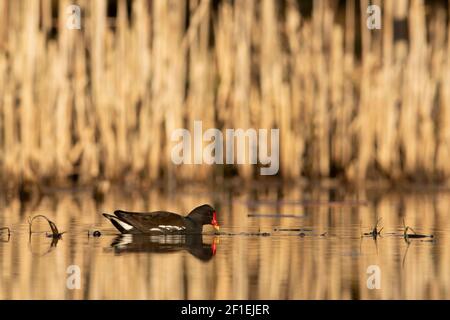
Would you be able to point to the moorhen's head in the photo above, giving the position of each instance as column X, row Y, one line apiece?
column 205, row 214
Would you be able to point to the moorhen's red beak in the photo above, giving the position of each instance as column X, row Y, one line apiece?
column 214, row 222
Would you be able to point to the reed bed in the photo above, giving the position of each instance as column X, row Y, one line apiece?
column 102, row 102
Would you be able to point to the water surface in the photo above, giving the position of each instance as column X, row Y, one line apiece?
column 329, row 261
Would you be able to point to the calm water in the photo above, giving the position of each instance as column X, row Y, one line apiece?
column 240, row 263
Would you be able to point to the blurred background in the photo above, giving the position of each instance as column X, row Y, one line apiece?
column 100, row 103
column 86, row 117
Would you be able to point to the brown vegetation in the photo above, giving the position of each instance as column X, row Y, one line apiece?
column 101, row 102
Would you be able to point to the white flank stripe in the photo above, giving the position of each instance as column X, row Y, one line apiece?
column 162, row 228
column 171, row 228
column 124, row 225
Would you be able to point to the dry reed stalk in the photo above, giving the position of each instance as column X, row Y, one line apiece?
column 363, row 124
column 294, row 138
column 386, row 124
column 322, row 29
column 102, row 102
column 199, row 103
column 442, row 67
column 242, row 34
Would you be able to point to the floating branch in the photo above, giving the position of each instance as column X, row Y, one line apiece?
column 55, row 233
column 375, row 232
column 303, row 234
column 413, row 235
column 291, row 229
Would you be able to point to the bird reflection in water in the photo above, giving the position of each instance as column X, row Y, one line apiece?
column 136, row 243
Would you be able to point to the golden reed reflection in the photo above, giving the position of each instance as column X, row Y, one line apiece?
column 238, row 264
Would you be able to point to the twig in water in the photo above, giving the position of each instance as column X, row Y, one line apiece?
column 413, row 235
column 375, row 232
column 55, row 233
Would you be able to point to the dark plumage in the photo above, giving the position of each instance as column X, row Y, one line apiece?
column 163, row 222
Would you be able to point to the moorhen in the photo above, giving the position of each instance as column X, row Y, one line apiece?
column 163, row 222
